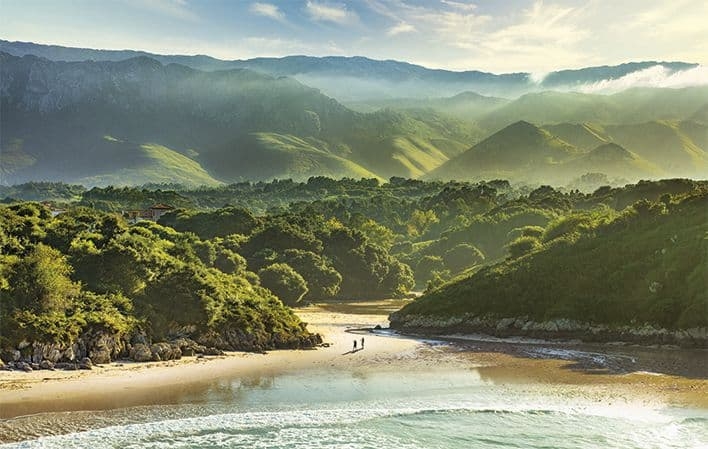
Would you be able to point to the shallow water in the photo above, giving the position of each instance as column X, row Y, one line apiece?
column 446, row 408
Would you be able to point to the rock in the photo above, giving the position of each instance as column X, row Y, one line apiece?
column 165, row 351
column 53, row 355
column 140, row 353
column 69, row 354
column 46, row 364
column 11, row 355
column 86, row 364
column 213, row 351
column 35, row 366
column 100, row 355
column 24, row 366
column 504, row 323
column 23, row 344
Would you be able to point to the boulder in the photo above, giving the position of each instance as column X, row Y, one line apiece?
column 86, row 363
column 11, row 355
column 46, row 364
column 24, row 366
column 140, row 353
column 165, row 351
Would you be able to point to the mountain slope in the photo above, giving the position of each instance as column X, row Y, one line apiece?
column 668, row 144
column 584, row 136
column 614, row 161
column 519, row 151
column 55, row 115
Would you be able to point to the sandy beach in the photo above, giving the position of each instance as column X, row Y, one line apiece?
column 125, row 384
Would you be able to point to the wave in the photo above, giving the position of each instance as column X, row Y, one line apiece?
column 372, row 426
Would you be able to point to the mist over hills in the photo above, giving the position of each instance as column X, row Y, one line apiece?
column 63, row 120
column 152, row 120
column 351, row 79
column 523, row 151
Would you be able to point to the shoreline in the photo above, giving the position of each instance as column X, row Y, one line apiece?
column 125, row 384
column 561, row 329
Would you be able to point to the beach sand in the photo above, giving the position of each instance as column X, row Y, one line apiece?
column 126, row 384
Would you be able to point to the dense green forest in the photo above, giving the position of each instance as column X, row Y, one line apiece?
column 221, row 268
column 638, row 266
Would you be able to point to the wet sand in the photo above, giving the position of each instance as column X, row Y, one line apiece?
column 125, row 384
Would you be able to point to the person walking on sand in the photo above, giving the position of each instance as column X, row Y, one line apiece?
column 354, row 345
column 362, row 342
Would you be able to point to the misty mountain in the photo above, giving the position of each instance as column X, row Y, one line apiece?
column 468, row 106
column 630, row 106
column 89, row 120
column 360, row 78
column 524, row 152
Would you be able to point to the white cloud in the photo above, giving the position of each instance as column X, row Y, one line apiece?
column 267, row 10
column 401, row 28
column 179, row 9
column 459, row 5
column 329, row 12
column 655, row 76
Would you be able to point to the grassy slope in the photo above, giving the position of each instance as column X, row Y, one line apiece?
column 642, row 268
column 272, row 155
column 519, row 150
column 614, row 161
column 584, row 136
column 667, row 144
column 151, row 163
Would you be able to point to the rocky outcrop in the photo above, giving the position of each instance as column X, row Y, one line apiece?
column 99, row 347
column 561, row 328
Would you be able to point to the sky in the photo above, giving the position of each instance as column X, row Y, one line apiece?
column 497, row 36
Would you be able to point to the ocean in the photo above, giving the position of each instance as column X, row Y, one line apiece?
column 376, row 409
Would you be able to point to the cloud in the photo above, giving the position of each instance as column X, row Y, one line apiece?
column 655, row 76
column 267, row 10
column 459, row 5
column 401, row 28
column 178, row 9
column 329, row 12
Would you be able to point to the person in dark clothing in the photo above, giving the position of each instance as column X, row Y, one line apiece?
column 362, row 342
column 354, row 345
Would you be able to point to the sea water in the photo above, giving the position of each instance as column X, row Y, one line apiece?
column 376, row 409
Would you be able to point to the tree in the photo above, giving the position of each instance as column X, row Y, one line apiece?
column 284, row 282
column 323, row 281
column 522, row 246
column 41, row 281
column 462, row 256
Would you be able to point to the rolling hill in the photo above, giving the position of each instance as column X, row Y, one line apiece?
column 613, row 161
column 520, row 151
